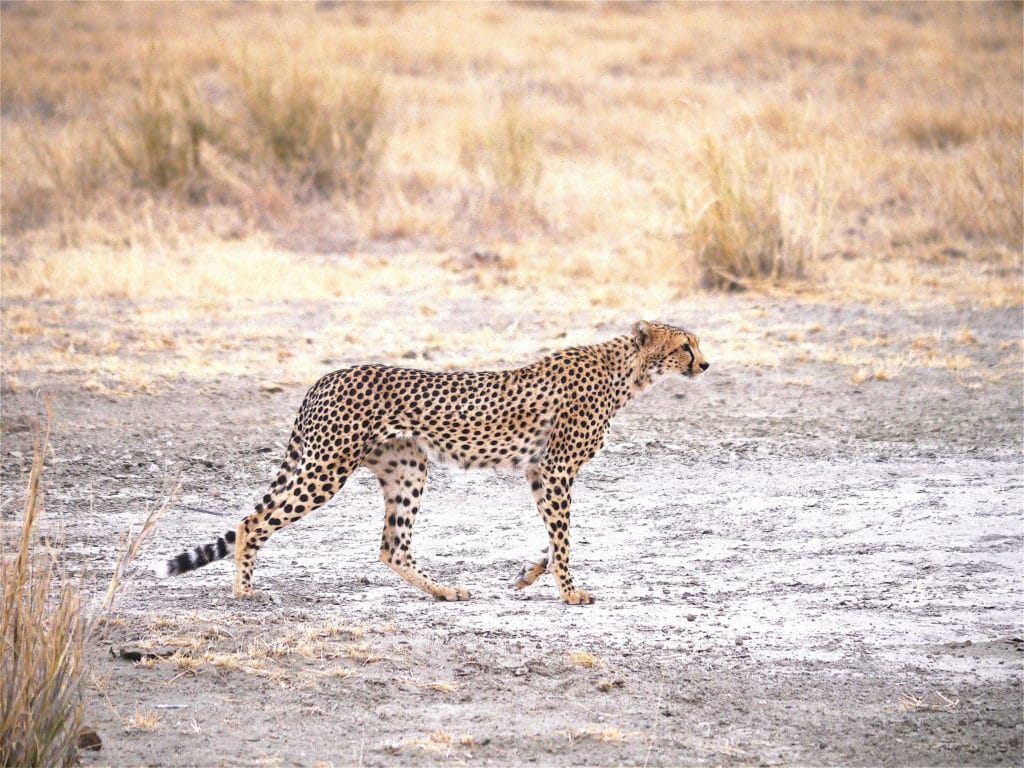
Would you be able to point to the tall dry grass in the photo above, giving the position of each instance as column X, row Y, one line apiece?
column 888, row 128
column 325, row 130
column 503, row 155
column 160, row 143
column 44, row 628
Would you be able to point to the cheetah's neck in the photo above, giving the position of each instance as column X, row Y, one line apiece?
column 627, row 370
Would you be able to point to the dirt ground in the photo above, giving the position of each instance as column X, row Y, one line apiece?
column 791, row 568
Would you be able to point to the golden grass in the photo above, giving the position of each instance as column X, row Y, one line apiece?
column 585, row 659
column 142, row 720
column 435, row 741
column 442, row 686
column 44, row 629
column 190, row 316
column 741, row 231
column 934, row 702
column 326, row 132
column 886, row 128
column 606, row 734
column 610, row 158
column 197, row 650
column 41, row 662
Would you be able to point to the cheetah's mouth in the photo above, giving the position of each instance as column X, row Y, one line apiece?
column 693, row 372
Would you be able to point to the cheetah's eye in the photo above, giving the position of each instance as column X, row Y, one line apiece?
column 686, row 348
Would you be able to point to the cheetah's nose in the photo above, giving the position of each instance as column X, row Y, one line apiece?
column 705, row 365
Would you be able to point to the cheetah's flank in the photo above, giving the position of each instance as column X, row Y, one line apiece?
column 548, row 418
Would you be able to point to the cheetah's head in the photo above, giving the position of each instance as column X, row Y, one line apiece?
column 666, row 349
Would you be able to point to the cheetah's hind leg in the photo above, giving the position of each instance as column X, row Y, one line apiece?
column 295, row 493
column 401, row 467
column 530, row 571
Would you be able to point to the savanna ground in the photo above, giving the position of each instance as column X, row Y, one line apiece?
column 812, row 556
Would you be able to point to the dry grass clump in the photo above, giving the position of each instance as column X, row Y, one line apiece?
column 736, row 230
column 986, row 196
column 503, row 155
column 327, row 132
column 77, row 163
column 736, row 223
column 159, row 146
column 606, row 734
column 935, row 702
column 253, row 138
column 585, row 659
column 43, row 631
column 435, row 741
column 140, row 720
column 932, row 129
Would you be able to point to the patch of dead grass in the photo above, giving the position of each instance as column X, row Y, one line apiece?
column 434, row 742
column 932, row 702
column 442, row 686
column 601, row 733
column 883, row 130
column 142, row 720
column 585, row 659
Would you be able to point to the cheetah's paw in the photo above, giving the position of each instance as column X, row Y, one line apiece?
column 578, row 597
column 453, row 594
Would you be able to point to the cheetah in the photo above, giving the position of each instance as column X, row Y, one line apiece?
column 547, row 419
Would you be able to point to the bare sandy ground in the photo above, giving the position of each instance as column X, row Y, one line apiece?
column 790, row 569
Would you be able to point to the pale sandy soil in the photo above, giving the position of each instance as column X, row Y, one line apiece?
column 791, row 569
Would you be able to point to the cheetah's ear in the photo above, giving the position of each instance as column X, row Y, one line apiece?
column 642, row 331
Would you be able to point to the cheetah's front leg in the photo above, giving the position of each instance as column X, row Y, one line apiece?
column 551, row 490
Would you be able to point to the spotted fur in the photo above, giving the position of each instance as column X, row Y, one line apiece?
column 548, row 419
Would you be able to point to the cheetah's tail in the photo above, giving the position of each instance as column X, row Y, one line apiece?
column 191, row 559
column 205, row 554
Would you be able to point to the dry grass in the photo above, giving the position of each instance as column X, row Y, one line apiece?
column 188, row 321
column 190, row 651
column 934, row 702
column 159, row 147
column 435, row 742
column 327, row 134
column 606, row 161
column 737, row 225
column 442, row 686
column 858, row 129
column 142, row 721
column 600, row 733
column 502, row 156
column 43, row 630
column 585, row 659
